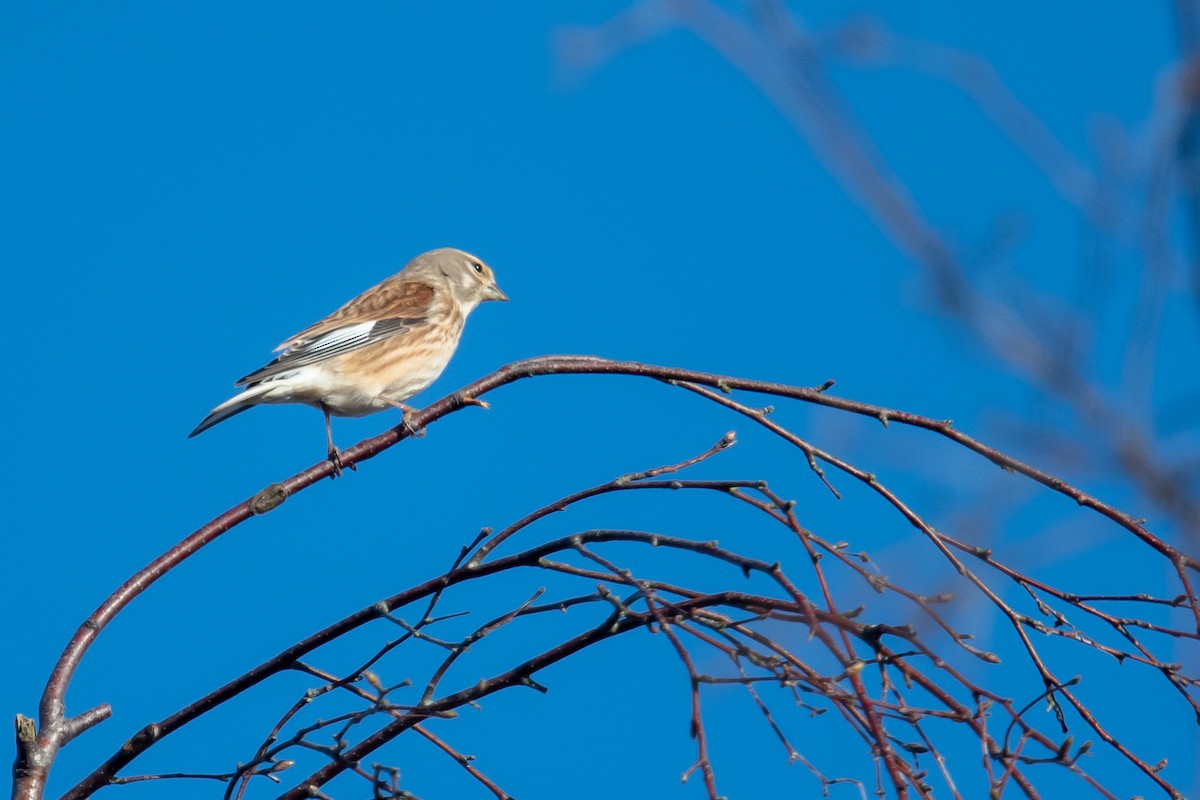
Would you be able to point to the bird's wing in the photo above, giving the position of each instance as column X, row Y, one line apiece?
column 393, row 307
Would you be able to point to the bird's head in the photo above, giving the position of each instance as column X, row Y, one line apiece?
column 470, row 280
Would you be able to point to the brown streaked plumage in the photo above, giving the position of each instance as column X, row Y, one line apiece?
column 376, row 351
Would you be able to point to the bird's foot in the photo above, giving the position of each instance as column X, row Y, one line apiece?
column 406, row 417
column 335, row 458
column 407, row 414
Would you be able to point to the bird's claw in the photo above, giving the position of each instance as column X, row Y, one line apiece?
column 335, row 458
column 413, row 429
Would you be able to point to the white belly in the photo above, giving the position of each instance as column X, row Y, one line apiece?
column 325, row 385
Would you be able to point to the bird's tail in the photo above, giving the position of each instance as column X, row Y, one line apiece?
column 231, row 407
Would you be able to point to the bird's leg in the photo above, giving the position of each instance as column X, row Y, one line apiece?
column 334, row 455
column 406, row 412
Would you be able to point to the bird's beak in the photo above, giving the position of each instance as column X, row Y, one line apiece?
column 493, row 293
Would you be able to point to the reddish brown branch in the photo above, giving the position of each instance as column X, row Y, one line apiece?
column 36, row 753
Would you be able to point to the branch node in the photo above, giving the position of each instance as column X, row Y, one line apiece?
column 532, row 684
column 142, row 739
column 268, row 499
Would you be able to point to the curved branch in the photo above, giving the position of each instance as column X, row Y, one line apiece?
column 54, row 730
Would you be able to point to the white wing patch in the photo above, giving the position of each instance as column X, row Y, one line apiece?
column 340, row 340
column 335, row 343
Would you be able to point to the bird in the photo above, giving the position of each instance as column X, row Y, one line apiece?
column 376, row 351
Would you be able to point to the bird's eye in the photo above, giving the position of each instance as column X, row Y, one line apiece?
column 478, row 267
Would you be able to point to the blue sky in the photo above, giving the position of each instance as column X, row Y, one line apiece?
column 187, row 185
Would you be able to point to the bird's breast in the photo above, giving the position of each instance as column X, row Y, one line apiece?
column 397, row 368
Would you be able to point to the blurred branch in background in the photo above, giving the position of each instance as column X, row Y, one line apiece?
column 1050, row 344
column 917, row 700
column 1187, row 23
